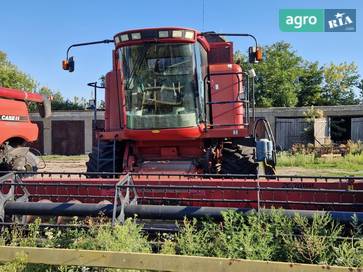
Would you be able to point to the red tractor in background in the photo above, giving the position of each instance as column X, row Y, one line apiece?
column 16, row 129
column 175, row 102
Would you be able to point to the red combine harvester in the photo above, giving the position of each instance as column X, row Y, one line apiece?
column 178, row 141
column 16, row 129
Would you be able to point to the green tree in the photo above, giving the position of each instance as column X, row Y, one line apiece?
column 285, row 79
column 241, row 59
column 310, row 80
column 339, row 84
column 60, row 103
column 360, row 87
column 12, row 77
column 277, row 76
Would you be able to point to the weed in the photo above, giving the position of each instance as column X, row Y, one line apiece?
column 17, row 265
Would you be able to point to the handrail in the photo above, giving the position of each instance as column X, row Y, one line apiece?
column 245, row 101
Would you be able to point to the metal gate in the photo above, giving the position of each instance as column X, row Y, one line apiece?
column 291, row 131
column 68, row 137
column 357, row 129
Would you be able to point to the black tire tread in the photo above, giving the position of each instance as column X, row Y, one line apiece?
column 236, row 162
column 103, row 158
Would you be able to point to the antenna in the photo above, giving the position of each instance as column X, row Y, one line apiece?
column 203, row 10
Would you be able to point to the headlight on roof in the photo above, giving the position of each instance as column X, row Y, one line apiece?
column 124, row 37
column 163, row 34
column 177, row 33
column 136, row 36
column 189, row 34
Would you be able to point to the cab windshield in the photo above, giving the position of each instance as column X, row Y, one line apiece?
column 159, row 82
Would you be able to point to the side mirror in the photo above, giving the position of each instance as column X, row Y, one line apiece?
column 254, row 54
column 68, row 64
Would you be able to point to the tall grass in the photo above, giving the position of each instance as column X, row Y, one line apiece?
column 349, row 162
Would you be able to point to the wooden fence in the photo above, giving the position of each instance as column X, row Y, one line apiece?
column 158, row 262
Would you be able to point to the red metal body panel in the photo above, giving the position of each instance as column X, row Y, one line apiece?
column 153, row 135
column 113, row 103
column 172, row 134
column 20, row 95
column 168, row 135
column 222, row 132
column 226, row 85
column 21, row 126
column 168, row 150
column 221, row 52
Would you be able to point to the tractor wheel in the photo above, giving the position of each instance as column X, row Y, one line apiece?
column 101, row 159
column 269, row 167
column 236, row 160
column 19, row 159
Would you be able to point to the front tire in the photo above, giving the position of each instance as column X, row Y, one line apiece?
column 103, row 159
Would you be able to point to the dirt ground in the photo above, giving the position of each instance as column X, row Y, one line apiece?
column 64, row 164
column 78, row 164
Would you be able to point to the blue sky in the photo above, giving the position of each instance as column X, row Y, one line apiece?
column 35, row 34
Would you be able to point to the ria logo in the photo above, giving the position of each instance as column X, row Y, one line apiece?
column 340, row 20
column 317, row 20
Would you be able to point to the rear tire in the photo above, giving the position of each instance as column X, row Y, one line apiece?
column 235, row 160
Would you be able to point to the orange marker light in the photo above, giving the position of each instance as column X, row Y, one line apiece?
column 258, row 54
column 65, row 65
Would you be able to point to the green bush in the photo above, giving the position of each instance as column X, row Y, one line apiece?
column 274, row 237
column 127, row 238
column 316, row 240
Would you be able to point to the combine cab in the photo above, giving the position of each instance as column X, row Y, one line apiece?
column 178, row 141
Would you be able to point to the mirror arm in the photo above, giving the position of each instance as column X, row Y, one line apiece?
column 86, row 43
column 231, row 34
